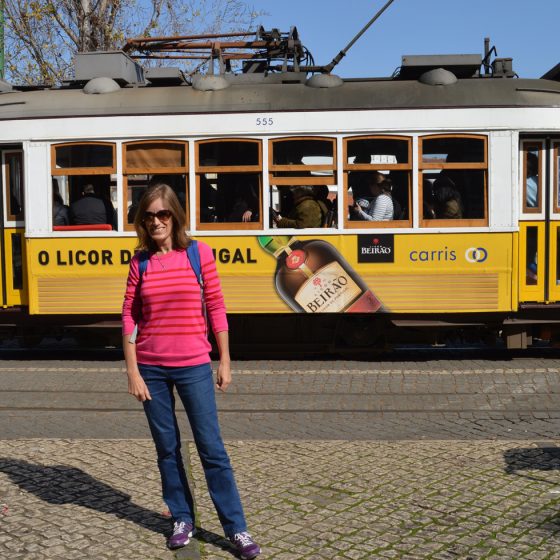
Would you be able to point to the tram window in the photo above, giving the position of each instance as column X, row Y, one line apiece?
column 453, row 150
column 303, row 206
column 558, row 256
column 453, row 195
column 228, row 153
column 229, row 184
column 453, row 180
column 229, row 198
column 82, row 200
column 531, row 177
column 84, row 185
column 378, row 151
column 17, row 262
column 14, row 185
column 147, row 163
column 302, row 168
column 84, row 155
column 532, row 256
column 304, row 161
column 155, row 155
column 556, row 160
column 378, row 177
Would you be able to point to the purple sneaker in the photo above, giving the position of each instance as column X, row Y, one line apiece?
column 246, row 547
column 182, row 532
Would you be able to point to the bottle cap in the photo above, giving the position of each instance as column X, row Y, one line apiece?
column 272, row 243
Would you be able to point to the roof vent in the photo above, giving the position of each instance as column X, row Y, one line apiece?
column 209, row 83
column 324, row 81
column 165, row 76
column 111, row 64
column 462, row 65
column 438, row 77
column 101, row 85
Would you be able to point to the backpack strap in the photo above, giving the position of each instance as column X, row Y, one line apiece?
column 193, row 254
column 143, row 257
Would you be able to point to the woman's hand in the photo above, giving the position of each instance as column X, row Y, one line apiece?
column 246, row 216
column 223, row 375
column 138, row 388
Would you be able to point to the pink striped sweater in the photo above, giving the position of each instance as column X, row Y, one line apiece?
column 166, row 305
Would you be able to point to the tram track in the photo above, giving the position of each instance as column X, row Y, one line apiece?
column 279, row 400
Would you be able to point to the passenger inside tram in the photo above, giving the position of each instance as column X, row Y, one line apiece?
column 237, row 198
column 532, row 180
column 60, row 211
column 306, row 212
column 379, row 207
column 92, row 208
column 447, row 199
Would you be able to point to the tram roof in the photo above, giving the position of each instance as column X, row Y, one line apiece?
column 353, row 94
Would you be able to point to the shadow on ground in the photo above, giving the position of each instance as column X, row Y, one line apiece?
column 61, row 484
column 531, row 459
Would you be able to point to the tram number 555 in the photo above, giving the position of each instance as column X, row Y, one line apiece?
column 264, row 121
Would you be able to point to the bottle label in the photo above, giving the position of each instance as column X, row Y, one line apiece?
column 295, row 259
column 329, row 290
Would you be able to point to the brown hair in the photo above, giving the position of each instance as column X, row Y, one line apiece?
column 179, row 236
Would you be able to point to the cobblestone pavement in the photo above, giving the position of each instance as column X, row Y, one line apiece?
column 98, row 499
column 454, row 460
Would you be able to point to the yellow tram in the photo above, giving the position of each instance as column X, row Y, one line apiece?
column 232, row 143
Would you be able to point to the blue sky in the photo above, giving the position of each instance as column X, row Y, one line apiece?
column 526, row 31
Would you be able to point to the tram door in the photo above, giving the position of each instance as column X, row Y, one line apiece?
column 12, row 247
column 539, row 226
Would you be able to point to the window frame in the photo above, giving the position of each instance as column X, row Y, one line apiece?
column 229, row 169
column 290, row 181
column 556, row 177
column 10, row 216
column 459, row 166
column 526, row 147
column 350, row 167
column 65, row 171
column 78, row 171
column 126, row 171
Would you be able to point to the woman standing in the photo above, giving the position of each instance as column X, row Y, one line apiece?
column 171, row 352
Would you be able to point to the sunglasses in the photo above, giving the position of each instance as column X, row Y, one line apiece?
column 161, row 215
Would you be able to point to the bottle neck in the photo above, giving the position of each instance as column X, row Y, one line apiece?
column 277, row 244
column 287, row 248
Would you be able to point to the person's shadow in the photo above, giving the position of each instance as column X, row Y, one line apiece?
column 530, row 459
column 541, row 459
column 62, row 484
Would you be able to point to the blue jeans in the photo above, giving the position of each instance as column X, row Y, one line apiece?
column 195, row 387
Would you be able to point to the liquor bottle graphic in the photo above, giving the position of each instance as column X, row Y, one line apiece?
column 313, row 277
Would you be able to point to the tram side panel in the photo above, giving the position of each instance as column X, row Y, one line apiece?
column 405, row 273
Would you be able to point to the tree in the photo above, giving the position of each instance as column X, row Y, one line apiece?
column 42, row 36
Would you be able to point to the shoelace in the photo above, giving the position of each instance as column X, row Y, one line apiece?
column 243, row 538
column 179, row 528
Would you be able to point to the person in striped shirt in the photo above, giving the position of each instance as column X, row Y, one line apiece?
column 171, row 352
column 380, row 208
